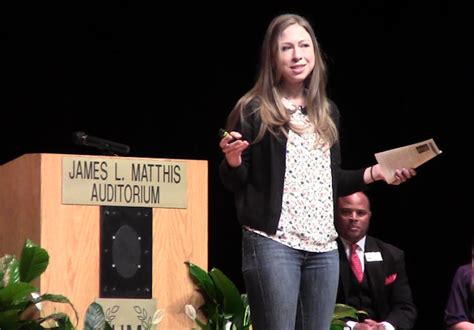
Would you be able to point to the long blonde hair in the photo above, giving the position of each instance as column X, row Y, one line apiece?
column 275, row 118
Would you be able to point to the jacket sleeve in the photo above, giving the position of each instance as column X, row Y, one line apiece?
column 345, row 181
column 234, row 178
column 403, row 311
column 457, row 307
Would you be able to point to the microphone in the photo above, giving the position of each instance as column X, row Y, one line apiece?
column 110, row 147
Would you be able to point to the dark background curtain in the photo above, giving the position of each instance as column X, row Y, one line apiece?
column 162, row 79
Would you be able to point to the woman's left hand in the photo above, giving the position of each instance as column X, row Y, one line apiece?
column 401, row 175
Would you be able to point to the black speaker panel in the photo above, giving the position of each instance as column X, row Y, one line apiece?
column 126, row 252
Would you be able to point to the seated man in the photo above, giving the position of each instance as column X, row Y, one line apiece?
column 372, row 273
column 459, row 313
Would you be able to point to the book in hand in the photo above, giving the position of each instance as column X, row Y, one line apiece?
column 410, row 156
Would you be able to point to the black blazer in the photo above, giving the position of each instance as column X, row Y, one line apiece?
column 257, row 184
column 388, row 283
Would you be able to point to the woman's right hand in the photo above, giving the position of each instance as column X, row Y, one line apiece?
column 232, row 146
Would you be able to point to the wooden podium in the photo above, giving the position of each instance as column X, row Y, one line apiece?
column 31, row 207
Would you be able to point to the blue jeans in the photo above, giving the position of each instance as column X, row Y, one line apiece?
column 288, row 288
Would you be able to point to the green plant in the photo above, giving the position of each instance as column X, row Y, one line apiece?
column 224, row 307
column 18, row 298
column 223, row 303
column 95, row 318
column 343, row 313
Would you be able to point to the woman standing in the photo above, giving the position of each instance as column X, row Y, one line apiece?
column 282, row 162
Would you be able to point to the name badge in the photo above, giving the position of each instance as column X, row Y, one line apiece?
column 373, row 256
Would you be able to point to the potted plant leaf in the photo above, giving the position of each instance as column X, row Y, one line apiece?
column 224, row 307
column 342, row 313
column 95, row 318
column 19, row 300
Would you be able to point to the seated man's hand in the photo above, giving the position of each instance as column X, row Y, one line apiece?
column 369, row 324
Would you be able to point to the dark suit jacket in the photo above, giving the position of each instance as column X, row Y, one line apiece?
column 388, row 283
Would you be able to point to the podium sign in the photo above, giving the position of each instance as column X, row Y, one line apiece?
column 124, row 182
column 129, row 313
column 33, row 188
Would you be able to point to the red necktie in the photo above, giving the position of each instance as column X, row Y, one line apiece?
column 355, row 264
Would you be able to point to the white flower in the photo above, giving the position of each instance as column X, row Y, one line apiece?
column 190, row 312
column 35, row 295
column 158, row 316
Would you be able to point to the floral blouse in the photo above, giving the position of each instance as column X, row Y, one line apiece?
column 307, row 219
